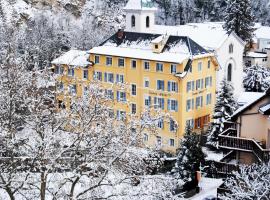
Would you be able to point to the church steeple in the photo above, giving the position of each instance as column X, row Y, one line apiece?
column 140, row 15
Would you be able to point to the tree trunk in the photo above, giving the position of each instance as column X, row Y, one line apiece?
column 73, row 187
column 10, row 194
column 43, row 186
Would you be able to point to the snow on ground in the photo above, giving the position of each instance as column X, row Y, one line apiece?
column 212, row 155
column 208, row 188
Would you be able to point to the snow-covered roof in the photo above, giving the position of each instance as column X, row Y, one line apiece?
column 262, row 32
column 209, row 35
column 247, row 105
column 73, row 58
column 248, row 97
column 265, row 109
column 139, row 46
column 140, row 5
column 256, row 55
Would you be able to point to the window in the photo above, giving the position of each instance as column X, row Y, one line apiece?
column 97, row 60
column 190, row 86
column 208, row 82
column 173, row 68
column 199, row 102
column 60, row 87
column 121, row 62
column 159, row 102
column 72, row 89
column 208, row 99
column 199, row 84
column 160, row 123
column 198, row 123
column 98, row 76
column 145, row 137
column 85, row 90
column 133, row 64
column 119, row 78
column 172, row 125
column 209, row 64
column 133, row 108
column 109, row 94
column 109, row 61
column 133, row 90
column 171, row 142
column 61, row 105
column 85, row 74
column 108, row 77
column 121, row 96
column 71, row 72
column 190, row 123
column 160, row 85
column 57, row 69
column 146, row 65
column 120, row 115
column 231, row 48
column 200, row 66
column 146, row 82
column 190, row 105
column 133, row 21
column 156, row 46
column 147, row 23
column 147, row 101
column 159, row 67
column 172, row 105
column 159, row 142
column 172, row 86
column 229, row 72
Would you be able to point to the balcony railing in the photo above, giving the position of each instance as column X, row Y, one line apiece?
column 229, row 140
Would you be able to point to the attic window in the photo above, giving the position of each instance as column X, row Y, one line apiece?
column 147, row 22
column 231, row 48
column 156, row 46
column 133, row 21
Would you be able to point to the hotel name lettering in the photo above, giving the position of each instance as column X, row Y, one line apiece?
column 160, row 94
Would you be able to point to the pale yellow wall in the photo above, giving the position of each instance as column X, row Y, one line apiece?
column 253, row 124
column 136, row 76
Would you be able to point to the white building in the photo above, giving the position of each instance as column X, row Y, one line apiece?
column 256, row 58
column 229, row 49
column 262, row 37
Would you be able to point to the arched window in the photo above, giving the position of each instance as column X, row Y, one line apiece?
column 229, row 72
column 133, row 21
column 147, row 22
column 231, row 48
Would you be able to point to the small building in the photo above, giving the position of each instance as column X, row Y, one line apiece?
column 261, row 37
column 256, row 58
column 247, row 135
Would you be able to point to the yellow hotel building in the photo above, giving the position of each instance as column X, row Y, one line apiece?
column 173, row 74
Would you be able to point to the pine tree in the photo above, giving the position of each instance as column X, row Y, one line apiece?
column 239, row 18
column 189, row 157
column 224, row 108
column 256, row 79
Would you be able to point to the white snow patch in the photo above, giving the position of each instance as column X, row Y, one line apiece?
column 212, row 155
column 73, row 58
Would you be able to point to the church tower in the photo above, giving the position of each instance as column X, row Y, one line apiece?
column 140, row 15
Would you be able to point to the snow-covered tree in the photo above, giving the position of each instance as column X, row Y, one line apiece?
column 256, row 79
column 224, row 108
column 239, row 18
column 251, row 182
column 190, row 156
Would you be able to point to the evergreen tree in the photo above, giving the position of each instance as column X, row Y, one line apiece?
column 256, row 79
column 224, row 108
column 189, row 157
column 239, row 18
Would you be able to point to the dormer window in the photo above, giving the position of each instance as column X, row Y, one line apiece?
column 156, row 46
column 147, row 22
column 133, row 21
column 231, row 48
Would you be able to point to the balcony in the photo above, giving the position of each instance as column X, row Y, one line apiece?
column 229, row 140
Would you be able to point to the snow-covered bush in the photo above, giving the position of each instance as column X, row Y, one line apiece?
column 256, row 79
column 251, row 182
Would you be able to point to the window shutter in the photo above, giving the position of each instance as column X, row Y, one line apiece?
column 155, row 102
column 176, row 87
column 117, row 96
column 169, row 104
column 162, row 103
column 169, row 86
column 176, row 106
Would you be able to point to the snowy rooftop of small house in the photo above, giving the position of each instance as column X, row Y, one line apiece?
column 247, row 97
column 209, row 35
column 256, row 55
column 254, row 97
column 139, row 46
column 140, row 5
column 262, row 32
column 73, row 58
column 265, row 109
